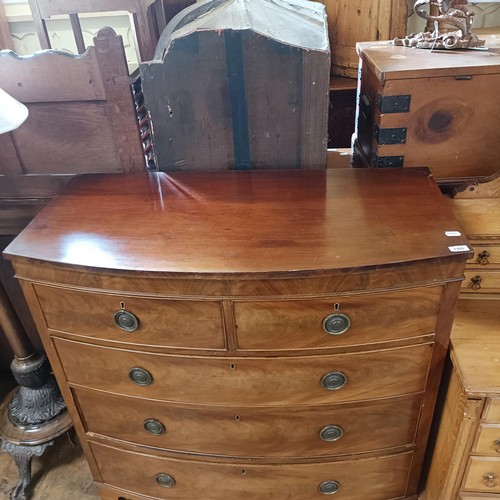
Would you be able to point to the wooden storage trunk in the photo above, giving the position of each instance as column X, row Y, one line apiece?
column 438, row 109
column 238, row 84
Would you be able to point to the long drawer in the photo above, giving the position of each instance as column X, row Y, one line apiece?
column 488, row 440
column 250, row 381
column 336, row 321
column 252, row 432
column 158, row 321
column 380, row 478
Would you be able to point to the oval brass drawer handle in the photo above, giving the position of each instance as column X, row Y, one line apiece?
column 140, row 376
column 489, row 479
column 329, row 487
column 126, row 321
column 334, row 380
column 331, row 433
column 475, row 282
column 482, row 258
column 165, row 480
column 154, row 426
column 336, row 324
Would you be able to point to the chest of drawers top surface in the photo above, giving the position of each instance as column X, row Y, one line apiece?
column 244, row 222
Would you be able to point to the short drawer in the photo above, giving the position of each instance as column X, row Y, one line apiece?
column 483, row 474
column 160, row 322
column 491, row 412
column 485, row 255
column 250, row 381
column 480, row 280
column 336, row 321
column 252, row 432
column 488, row 440
column 158, row 477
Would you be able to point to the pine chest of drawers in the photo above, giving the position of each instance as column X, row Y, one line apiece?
column 247, row 335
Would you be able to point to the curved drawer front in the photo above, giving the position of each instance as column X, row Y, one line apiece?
column 300, row 324
column 248, row 432
column 247, row 381
column 481, row 280
column 483, row 474
column 370, row 479
column 160, row 322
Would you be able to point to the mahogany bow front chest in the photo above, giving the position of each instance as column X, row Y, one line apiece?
column 247, row 334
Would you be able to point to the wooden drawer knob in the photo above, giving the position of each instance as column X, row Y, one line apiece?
column 331, row 433
column 333, row 381
column 329, row 487
column 336, row 324
column 154, row 426
column 165, row 480
column 140, row 376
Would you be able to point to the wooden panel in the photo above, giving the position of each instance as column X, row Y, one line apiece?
column 25, row 187
column 458, row 422
column 67, row 138
column 476, row 475
column 15, row 215
column 373, row 319
column 248, row 381
column 50, row 8
column 137, row 472
column 38, row 78
column 476, row 357
column 250, row 432
column 488, row 440
column 478, row 218
column 9, row 160
column 351, row 21
column 165, row 323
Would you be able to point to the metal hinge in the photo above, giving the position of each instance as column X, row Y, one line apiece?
column 390, row 135
column 387, row 161
column 393, row 103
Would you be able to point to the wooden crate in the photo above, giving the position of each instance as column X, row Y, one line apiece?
column 438, row 109
column 237, row 88
column 352, row 21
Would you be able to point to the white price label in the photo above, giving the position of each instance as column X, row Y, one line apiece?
column 459, row 248
column 453, row 233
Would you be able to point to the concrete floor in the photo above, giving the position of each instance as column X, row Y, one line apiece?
column 61, row 473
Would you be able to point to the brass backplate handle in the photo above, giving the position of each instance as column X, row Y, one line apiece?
column 489, row 479
column 482, row 258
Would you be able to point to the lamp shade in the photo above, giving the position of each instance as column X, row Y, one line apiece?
column 12, row 113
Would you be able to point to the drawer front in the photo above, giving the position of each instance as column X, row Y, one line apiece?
column 247, row 381
column 483, row 474
column 481, row 280
column 370, row 479
column 485, row 255
column 492, row 411
column 299, row 324
column 488, row 440
column 250, row 432
column 161, row 322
